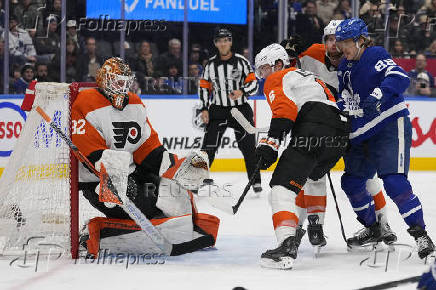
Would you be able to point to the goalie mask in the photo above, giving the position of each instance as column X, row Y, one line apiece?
column 115, row 78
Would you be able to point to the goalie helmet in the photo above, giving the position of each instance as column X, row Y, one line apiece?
column 115, row 78
column 269, row 56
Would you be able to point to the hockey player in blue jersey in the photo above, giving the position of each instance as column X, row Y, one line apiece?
column 371, row 87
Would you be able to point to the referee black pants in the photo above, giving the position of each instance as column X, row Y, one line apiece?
column 219, row 120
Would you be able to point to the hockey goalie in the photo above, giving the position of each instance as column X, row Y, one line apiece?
column 109, row 121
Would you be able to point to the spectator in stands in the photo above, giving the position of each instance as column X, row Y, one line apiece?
column 172, row 56
column 421, row 81
column 47, row 46
column 194, row 74
column 143, row 64
column 27, row 75
column 29, row 16
column 2, row 16
column 54, row 7
column 398, row 49
column 42, row 72
column 144, row 61
column 412, row 6
column 20, row 43
column 429, row 8
column 419, row 36
column 326, row 10
column 174, row 84
column 344, row 8
column 72, row 34
column 308, row 25
column 88, row 63
column 431, row 50
column 372, row 16
column 195, row 54
column 72, row 52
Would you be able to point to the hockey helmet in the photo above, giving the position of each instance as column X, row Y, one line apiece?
column 351, row 29
column 115, row 78
column 330, row 29
column 267, row 58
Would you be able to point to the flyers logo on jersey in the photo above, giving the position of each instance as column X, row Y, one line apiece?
column 126, row 131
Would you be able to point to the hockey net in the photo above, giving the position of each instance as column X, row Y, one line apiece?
column 39, row 200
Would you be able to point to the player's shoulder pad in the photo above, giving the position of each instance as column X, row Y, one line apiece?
column 276, row 78
column 134, row 99
column 316, row 51
column 89, row 100
column 375, row 53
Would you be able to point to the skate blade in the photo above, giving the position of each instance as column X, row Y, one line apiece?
column 286, row 263
column 365, row 248
column 317, row 250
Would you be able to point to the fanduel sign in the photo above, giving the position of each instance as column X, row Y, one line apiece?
column 206, row 11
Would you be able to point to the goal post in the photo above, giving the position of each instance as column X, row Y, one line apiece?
column 39, row 192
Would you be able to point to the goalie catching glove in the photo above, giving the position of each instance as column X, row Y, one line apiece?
column 189, row 171
column 267, row 151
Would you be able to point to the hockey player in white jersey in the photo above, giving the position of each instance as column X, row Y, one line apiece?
column 323, row 60
column 300, row 102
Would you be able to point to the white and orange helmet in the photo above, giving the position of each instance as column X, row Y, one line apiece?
column 115, row 78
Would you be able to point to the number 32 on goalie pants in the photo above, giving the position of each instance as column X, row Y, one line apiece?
column 78, row 127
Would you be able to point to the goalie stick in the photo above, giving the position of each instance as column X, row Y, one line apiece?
column 128, row 206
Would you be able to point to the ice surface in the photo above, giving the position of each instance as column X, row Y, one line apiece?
column 235, row 261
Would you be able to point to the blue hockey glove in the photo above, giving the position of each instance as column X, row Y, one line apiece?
column 371, row 105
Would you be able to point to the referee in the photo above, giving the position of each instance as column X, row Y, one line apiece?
column 227, row 81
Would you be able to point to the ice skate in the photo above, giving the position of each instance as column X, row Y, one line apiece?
column 316, row 233
column 300, row 232
column 282, row 257
column 388, row 235
column 423, row 241
column 367, row 236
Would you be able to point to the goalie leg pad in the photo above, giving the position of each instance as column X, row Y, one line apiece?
column 125, row 236
column 173, row 199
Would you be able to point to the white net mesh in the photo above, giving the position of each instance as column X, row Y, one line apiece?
column 35, row 186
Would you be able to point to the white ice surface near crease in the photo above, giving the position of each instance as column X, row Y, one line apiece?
column 235, row 261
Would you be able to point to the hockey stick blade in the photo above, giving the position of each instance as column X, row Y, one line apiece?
column 247, row 188
column 128, row 206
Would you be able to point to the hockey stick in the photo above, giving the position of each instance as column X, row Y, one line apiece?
column 128, row 206
column 337, row 207
column 247, row 188
column 240, row 118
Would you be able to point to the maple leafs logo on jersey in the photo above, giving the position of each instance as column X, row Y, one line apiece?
column 126, row 131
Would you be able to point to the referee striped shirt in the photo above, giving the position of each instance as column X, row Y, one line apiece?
column 221, row 77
